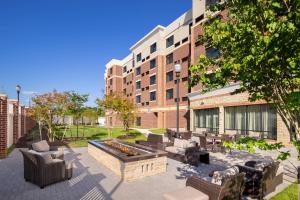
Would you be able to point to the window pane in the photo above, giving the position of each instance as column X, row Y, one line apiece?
column 254, row 118
column 170, row 76
column 240, row 118
column 229, row 118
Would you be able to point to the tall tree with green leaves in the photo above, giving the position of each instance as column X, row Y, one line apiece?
column 125, row 108
column 259, row 44
column 76, row 106
column 260, row 49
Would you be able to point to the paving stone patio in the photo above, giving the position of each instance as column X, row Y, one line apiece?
column 91, row 180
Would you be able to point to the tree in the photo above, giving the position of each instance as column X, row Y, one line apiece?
column 260, row 49
column 124, row 107
column 76, row 105
column 46, row 107
column 91, row 114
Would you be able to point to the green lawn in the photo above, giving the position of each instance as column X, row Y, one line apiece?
column 97, row 133
column 290, row 193
column 159, row 131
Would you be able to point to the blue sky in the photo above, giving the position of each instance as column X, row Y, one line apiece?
column 65, row 44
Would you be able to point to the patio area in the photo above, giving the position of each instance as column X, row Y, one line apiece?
column 91, row 180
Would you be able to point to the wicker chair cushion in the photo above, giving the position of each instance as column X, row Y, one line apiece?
column 219, row 177
column 47, row 158
column 41, row 146
column 183, row 143
column 175, row 150
column 187, row 193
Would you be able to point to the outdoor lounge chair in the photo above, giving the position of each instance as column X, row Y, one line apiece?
column 42, row 170
column 198, row 188
column 262, row 178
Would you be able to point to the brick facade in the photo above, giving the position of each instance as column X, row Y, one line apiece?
column 3, row 126
column 22, row 120
column 15, row 123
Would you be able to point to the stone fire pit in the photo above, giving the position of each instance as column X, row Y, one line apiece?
column 129, row 161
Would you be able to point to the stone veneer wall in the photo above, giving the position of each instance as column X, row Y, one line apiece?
column 3, row 126
column 225, row 100
column 129, row 171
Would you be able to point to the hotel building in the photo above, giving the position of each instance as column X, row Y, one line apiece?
column 147, row 76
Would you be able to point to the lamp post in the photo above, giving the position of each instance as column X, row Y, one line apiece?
column 177, row 71
column 18, row 89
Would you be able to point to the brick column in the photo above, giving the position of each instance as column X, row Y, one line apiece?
column 22, row 120
column 3, row 126
column 15, row 123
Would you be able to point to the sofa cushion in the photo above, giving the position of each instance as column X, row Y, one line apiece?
column 41, row 146
column 184, row 143
column 178, row 143
column 165, row 139
column 175, row 150
column 186, row 193
column 195, row 139
column 220, row 176
column 261, row 164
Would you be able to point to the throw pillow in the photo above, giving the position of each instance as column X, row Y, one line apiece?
column 41, row 146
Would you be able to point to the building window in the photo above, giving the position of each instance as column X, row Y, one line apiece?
column 139, row 57
column 153, row 80
column 111, row 71
column 198, row 19
column 152, row 63
column 169, row 76
column 111, row 81
column 138, row 85
column 208, row 119
column 169, row 41
column 124, row 80
column 138, row 99
column 153, row 96
column 212, row 52
column 169, row 58
column 124, row 91
column 124, row 69
column 138, row 71
column 252, row 119
column 153, row 48
column 185, row 40
column 169, row 94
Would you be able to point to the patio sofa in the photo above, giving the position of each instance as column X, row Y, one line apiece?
column 155, row 141
column 263, row 176
column 182, row 149
column 42, row 148
column 227, row 184
column 43, row 170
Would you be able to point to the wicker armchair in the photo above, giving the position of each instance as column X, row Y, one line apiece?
column 42, row 173
column 231, row 189
column 260, row 183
